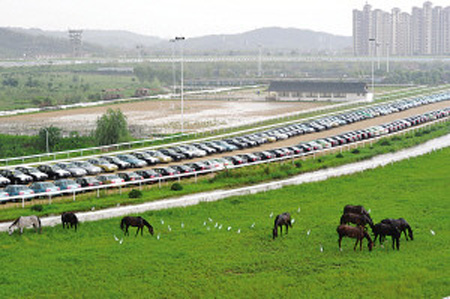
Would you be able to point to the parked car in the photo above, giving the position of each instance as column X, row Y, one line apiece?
column 134, row 162
column 198, row 166
column 74, row 170
column 90, row 169
column 146, row 157
column 104, row 164
column 235, row 160
column 34, row 173
column 264, row 155
column 166, row 171
column 171, row 153
column 160, row 156
column 130, row 176
column 4, row 181
column 44, row 187
column 4, row 196
column 250, row 158
column 110, row 179
column 88, row 182
column 19, row 190
column 16, row 176
column 67, row 184
column 148, row 173
column 116, row 161
column 183, row 169
column 54, row 171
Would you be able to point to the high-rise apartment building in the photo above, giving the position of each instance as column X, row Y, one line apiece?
column 426, row 31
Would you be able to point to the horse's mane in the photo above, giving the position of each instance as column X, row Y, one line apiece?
column 15, row 222
column 145, row 222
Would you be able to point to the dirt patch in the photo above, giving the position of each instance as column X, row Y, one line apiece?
column 155, row 117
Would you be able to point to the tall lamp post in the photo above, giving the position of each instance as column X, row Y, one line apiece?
column 180, row 39
column 373, row 77
column 174, row 90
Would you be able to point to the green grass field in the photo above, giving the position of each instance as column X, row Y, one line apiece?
column 203, row 261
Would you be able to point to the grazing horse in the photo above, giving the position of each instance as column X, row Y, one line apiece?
column 356, row 210
column 280, row 220
column 381, row 230
column 25, row 221
column 135, row 221
column 402, row 226
column 358, row 219
column 69, row 218
column 357, row 233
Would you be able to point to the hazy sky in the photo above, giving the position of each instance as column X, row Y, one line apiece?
column 168, row 18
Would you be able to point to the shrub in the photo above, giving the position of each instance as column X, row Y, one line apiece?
column 135, row 194
column 340, row 155
column 385, row 143
column 176, row 187
column 298, row 164
column 37, row 208
column 319, row 160
column 355, row 151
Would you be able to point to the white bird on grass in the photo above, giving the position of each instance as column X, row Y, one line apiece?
column 210, row 220
column 229, row 228
column 115, row 238
column 239, row 231
column 121, row 241
column 158, row 236
column 321, row 248
column 220, row 226
column 204, row 223
column 162, row 221
column 169, row 228
column 208, row 228
column 292, row 221
column 271, row 215
column 432, row 232
column 216, row 225
column 182, row 225
column 308, row 232
column 369, row 211
column 93, row 209
column 253, row 225
column 298, row 210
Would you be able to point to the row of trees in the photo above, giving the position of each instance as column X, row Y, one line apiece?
column 111, row 128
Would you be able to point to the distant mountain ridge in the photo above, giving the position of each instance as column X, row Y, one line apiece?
column 19, row 42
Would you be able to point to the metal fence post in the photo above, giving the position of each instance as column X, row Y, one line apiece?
column 23, row 202
column 74, row 198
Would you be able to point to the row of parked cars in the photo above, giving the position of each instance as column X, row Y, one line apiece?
column 187, row 169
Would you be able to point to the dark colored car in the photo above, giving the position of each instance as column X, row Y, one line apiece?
column 171, row 153
column 166, row 171
column 264, row 155
column 34, row 173
column 16, row 176
column 88, row 182
column 130, row 176
column 183, row 169
column 148, row 173
column 54, row 171
column 250, row 158
column 198, row 166
column 4, row 181
column 236, row 160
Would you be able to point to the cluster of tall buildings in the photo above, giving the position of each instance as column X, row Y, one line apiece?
column 426, row 31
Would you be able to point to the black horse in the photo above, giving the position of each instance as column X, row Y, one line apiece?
column 358, row 219
column 135, row 221
column 402, row 226
column 357, row 233
column 356, row 210
column 280, row 220
column 381, row 230
column 69, row 218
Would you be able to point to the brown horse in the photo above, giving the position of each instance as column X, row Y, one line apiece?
column 382, row 230
column 358, row 219
column 402, row 226
column 135, row 221
column 280, row 220
column 357, row 233
column 356, row 210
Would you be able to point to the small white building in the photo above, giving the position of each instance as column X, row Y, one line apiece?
column 316, row 91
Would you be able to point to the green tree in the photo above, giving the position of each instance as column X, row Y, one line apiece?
column 54, row 137
column 112, row 127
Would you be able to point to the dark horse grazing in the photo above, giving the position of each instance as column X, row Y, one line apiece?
column 358, row 219
column 381, row 230
column 356, row 210
column 69, row 218
column 402, row 226
column 357, row 233
column 135, row 221
column 280, row 220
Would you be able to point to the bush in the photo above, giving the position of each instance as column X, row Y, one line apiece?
column 340, row 155
column 298, row 164
column 319, row 160
column 355, row 151
column 176, row 187
column 385, row 143
column 37, row 208
column 135, row 194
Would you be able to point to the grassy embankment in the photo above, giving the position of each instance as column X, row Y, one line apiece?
column 227, row 179
column 203, row 261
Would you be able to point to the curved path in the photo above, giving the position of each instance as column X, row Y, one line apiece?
column 315, row 176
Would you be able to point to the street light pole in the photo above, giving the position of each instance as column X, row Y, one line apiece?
column 182, row 38
column 174, row 90
column 46, row 140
